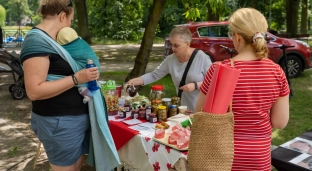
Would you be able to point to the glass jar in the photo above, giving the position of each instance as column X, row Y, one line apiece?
column 162, row 113
column 142, row 112
column 148, row 111
column 135, row 113
column 122, row 114
column 152, row 118
column 166, row 102
column 157, row 92
column 155, row 105
column 127, row 107
column 176, row 101
column 111, row 97
column 173, row 110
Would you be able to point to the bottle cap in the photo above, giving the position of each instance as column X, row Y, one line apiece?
column 89, row 61
column 110, row 85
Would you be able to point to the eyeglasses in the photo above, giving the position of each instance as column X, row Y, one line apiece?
column 230, row 34
column 69, row 4
column 175, row 45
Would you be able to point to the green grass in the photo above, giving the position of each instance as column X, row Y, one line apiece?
column 300, row 105
column 300, row 119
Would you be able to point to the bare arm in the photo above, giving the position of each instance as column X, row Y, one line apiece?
column 35, row 74
column 200, row 102
column 280, row 112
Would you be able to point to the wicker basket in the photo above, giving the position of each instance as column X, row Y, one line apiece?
column 212, row 142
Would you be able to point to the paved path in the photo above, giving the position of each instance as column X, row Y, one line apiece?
column 111, row 66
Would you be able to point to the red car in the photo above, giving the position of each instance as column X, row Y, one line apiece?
column 208, row 36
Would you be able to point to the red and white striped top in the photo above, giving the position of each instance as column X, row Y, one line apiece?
column 260, row 83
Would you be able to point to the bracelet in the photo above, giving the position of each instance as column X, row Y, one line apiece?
column 74, row 79
column 196, row 86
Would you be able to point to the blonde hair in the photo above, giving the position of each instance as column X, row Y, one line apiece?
column 249, row 23
column 181, row 32
column 54, row 7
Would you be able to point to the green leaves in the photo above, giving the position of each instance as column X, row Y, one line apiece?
column 2, row 15
column 193, row 7
column 192, row 14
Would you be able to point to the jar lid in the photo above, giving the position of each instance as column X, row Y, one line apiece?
column 166, row 99
column 173, row 106
column 161, row 107
column 110, row 85
column 156, row 101
column 152, row 114
column 157, row 87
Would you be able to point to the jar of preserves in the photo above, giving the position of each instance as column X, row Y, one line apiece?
column 111, row 97
column 166, row 102
column 152, row 118
column 162, row 113
column 173, row 110
column 135, row 113
column 176, row 101
column 148, row 111
column 157, row 92
column 142, row 112
column 127, row 107
column 155, row 105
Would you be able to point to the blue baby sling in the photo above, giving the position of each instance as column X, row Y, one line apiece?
column 102, row 145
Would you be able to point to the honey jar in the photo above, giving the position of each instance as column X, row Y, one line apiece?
column 162, row 113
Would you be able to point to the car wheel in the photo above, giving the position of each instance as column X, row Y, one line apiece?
column 294, row 66
column 18, row 93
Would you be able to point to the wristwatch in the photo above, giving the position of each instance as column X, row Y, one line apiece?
column 196, row 86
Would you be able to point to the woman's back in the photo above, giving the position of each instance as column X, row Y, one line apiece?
column 260, row 83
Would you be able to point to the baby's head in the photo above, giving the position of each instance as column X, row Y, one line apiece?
column 66, row 35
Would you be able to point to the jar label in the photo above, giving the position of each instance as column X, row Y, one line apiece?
column 148, row 111
column 147, row 116
column 135, row 116
column 127, row 109
column 121, row 114
column 154, row 119
column 128, row 114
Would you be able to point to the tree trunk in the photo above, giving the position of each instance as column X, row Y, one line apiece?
column 82, row 16
column 292, row 17
column 304, row 16
column 211, row 16
column 142, row 57
column 254, row 4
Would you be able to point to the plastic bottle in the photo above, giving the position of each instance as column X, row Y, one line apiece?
column 92, row 85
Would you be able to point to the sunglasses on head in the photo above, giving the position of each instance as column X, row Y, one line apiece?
column 69, row 4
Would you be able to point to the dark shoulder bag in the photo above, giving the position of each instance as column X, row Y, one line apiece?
column 182, row 82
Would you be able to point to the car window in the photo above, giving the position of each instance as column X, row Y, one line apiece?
column 213, row 31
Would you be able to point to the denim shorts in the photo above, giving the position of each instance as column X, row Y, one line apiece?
column 65, row 138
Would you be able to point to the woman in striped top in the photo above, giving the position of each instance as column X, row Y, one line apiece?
column 261, row 97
